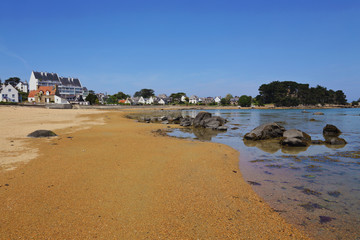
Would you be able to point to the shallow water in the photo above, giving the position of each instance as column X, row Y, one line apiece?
column 316, row 188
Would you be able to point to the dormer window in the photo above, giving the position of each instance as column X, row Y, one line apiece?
column 47, row 92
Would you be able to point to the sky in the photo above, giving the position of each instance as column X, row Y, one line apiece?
column 201, row 47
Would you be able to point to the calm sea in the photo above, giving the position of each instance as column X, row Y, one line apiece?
column 315, row 188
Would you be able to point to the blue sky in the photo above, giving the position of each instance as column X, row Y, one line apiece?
column 207, row 48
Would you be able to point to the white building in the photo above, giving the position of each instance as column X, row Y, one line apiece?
column 67, row 87
column 217, row 100
column 193, row 99
column 9, row 94
column 183, row 98
column 22, row 87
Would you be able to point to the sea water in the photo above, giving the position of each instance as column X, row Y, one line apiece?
column 316, row 188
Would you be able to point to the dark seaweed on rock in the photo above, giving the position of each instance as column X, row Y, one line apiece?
column 42, row 133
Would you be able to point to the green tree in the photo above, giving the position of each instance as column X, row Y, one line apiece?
column 245, row 101
column 92, row 98
column 13, row 81
column 23, row 96
column 340, row 98
column 176, row 97
column 224, row 102
column 121, row 95
column 145, row 93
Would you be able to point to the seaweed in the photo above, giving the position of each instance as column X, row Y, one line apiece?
column 325, row 219
column 274, row 166
column 310, row 207
column 254, row 183
column 313, row 168
column 334, row 193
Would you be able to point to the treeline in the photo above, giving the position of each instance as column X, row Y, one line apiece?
column 288, row 93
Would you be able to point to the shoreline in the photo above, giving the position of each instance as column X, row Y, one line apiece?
column 119, row 180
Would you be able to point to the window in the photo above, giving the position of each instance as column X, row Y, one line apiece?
column 13, row 95
column 9, row 90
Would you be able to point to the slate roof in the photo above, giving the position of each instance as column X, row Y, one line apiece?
column 70, row 82
column 46, row 76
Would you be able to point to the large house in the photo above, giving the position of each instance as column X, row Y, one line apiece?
column 9, row 94
column 68, row 88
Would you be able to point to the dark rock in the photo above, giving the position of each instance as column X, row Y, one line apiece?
column 265, row 131
column 318, row 113
column 295, row 138
column 42, row 133
column 334, row 193
column 325, row 219
column 222, row 128
column 200, row 117
column 164, row 118
column 212, row 123
column 186, row 122
column 312, row 120
column 304, row 111
column 331, row 130
column 335, row 141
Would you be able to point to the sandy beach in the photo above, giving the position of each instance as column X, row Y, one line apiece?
column 109, row 177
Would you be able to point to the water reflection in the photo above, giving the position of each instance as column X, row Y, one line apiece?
column 292, row 177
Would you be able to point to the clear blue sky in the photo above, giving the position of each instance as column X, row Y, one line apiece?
column 207, row 48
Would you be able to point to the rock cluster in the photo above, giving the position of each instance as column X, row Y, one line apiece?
column 202, row 120
column 294, row 137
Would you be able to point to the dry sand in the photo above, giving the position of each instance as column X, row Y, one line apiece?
column 17, row 122
column 121, row 181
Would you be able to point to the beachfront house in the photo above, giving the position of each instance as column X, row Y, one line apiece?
column 68, row 88
column 208, row 100
column 45, row 94
column 183, row 98
column 193, row 99
column 234, row 101
column 9, row 94
column 164, row 101
column 22, row 86
column 217, row 99
column 141, row 100
column 152, row 100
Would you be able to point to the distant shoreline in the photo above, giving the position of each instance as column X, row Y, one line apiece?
column 187, row 107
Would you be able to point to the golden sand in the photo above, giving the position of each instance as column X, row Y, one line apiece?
column 121, row 181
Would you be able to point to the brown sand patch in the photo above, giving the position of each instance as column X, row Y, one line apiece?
column 17, row 122
column 119, row 181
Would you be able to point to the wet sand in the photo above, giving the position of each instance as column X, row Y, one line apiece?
column 120, row 180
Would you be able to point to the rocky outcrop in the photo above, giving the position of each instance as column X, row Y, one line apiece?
column 200, row 117
column 42, row 133
column 186, row 122
column 335, row 141
column 295, row 138
column 331, row 130
column 265, row 131
column 318, row 113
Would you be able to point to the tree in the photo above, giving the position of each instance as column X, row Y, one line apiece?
column 13, row 81
column 176, row 97
column 145, row 93
column 121, row 95
column 23, row 96
column 228, row 97
column 340, row 97
column 245, row 101
column 224, row 102
column 92, row 98
column 354, row 103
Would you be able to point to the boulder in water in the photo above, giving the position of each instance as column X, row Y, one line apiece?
column 265, row 131
column 295, row 138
